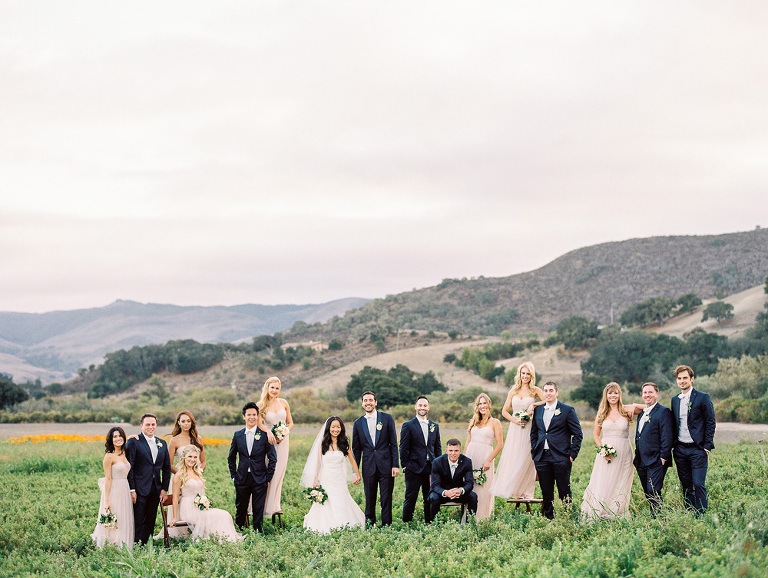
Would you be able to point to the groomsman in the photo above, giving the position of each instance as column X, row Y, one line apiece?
column 148, row 477
column 374, row 437
column 694, row 418
column 451, row 480
column 419, row 446
column 653, row 445
column 254, row 470
column 555, row 442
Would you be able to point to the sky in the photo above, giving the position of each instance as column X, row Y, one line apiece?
column 202, row 153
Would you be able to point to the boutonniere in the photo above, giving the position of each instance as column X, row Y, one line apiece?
column 557, row 412
column 647, row 418
column 257, row 435
column 378, row 426
column 431, row 428
column 689, row 407
column 159, row 445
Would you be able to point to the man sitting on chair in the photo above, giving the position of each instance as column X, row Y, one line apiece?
column 451, row 480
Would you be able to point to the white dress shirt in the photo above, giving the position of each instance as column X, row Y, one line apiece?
column 152, row 446
column 684, row 435
column 549, row 413
column 424, row 423
column 645, row 418
column 371, row 419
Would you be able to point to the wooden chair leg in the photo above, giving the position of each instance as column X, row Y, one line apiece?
column 166, row 536
column 279, row 517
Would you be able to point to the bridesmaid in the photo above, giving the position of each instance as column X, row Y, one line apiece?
column 608, row 492
column 185, row 433
column 189, row 483
column 483, row 430
column 115, row 493
column 274, row 409
column 516, row 474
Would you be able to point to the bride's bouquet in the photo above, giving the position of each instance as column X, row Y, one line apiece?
column 202, row 502
column 317, row 495
column 280, row 430
column 108, row 520
column 606, row 450
column 523, row 416
column 479, row 476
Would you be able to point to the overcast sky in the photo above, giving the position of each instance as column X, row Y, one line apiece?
column 203, row 153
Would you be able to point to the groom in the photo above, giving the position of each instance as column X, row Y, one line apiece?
column 555, row 442
column 375, row 439
column 148, row 477
column 653, row 445
column 419, row 446
column 255, row 470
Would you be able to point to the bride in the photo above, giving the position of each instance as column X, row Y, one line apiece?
column 326, row 467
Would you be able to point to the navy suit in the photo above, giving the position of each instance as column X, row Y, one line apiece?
column 251, row 475
column 441, row 480
column 553, row 465
column 379, row 456
column 147, row 477
column 652, row 445
column 691, row 458
column 417, row 456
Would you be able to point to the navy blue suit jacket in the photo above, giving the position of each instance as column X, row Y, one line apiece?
column 261, row 461
column 379, row 454
column 655, row 442
column 146, row 476
column 564, row 434
column 441, row 478
column 701, row 419
column 415, row 454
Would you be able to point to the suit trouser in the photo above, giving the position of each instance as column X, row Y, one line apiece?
column 552, row 470
column 435, row 500
column 414, row 482
column 652, row 480
column 378, row 482
column 691, row 464
column 144, row 514
column 256, row 494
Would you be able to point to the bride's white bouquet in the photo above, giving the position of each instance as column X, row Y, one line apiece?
column 280, row 430
column 317, row 495
column 480, row 477
column 202, row 502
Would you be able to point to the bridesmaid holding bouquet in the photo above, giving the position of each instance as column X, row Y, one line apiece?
column 275, row 414
column 516, row 475
column 608, row 492
column 483, row 432
column 116, row 528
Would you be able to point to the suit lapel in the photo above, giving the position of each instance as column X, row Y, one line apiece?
column 364, row 426
column 145, row 443
column 376, row 428
column 430, row 434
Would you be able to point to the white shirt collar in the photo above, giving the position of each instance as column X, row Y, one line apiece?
column 453, row 464
column 552, row 406
column 422, row 420
column 371, row 415
column 253, row 429
column 685, row 395
column 647, row 410
column 148, row 438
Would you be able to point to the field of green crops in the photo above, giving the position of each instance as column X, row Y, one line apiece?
column 49, row 500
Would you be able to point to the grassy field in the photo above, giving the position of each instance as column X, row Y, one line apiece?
column 49, row 500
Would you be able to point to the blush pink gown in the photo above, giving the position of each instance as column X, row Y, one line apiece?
column 516, row 474
column 478, row 450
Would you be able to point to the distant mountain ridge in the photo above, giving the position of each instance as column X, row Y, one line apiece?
column 55, row 344
column 597, row 282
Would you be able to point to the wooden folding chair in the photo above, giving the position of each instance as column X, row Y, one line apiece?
column 168, row 502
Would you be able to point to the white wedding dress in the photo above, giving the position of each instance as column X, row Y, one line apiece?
column 339, row 510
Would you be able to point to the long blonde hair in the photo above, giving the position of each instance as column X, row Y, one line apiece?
column 605, row 407
column 181, row 469
column 519, row 381
column 477, row 419
column 264, row 399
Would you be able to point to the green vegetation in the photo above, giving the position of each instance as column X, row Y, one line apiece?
column 399, row 385
column 46, row 529
column 482, row 360
column 122, row 369
column 10, row 393
column 718, row 310
column 658, row 310
column 575, row 333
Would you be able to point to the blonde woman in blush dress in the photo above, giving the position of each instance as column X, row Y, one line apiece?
column 188, row 483
column 608, row 492
column 516, row 474
column 483, row 432
column 274, row 409
column 115, row 493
